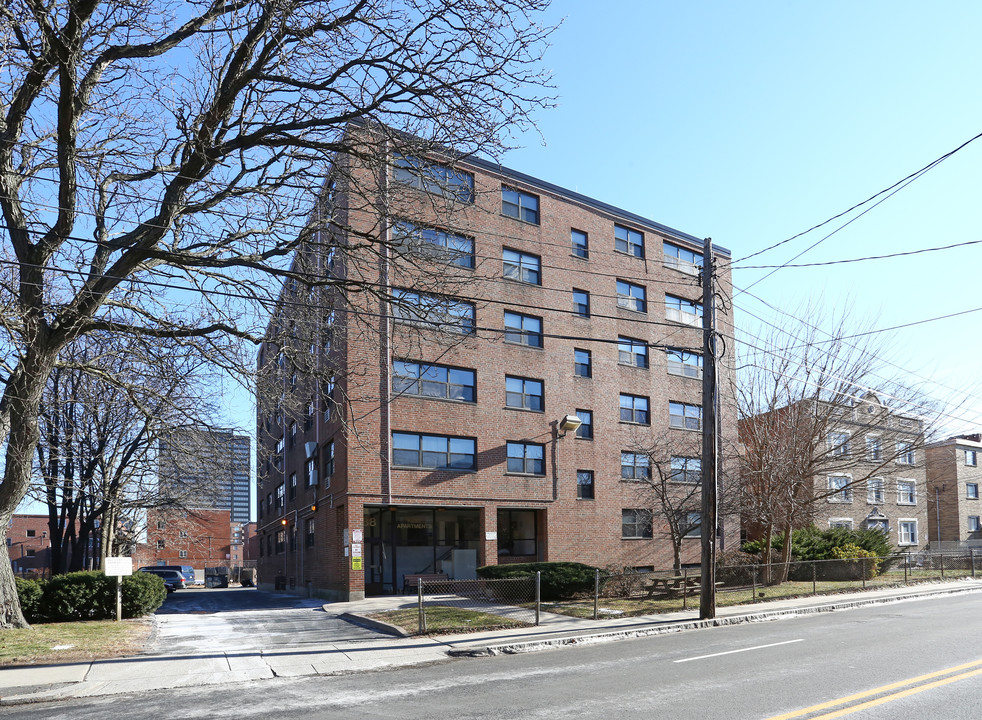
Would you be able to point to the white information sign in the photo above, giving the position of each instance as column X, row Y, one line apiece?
column 118, row 566
column 356, row 535
column 492, row 535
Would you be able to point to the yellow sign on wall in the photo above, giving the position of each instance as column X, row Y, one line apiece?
column 356, row 563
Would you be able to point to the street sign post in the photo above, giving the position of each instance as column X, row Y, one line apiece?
column 118, row 566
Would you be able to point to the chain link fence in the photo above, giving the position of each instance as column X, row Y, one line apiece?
column 516, row 601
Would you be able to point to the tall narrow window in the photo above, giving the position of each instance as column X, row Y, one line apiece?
column 585, row 430
column 584, row 484
column 582, row 363
column 581, row 303
column 581, row 243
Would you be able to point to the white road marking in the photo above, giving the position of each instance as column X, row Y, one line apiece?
column 730, row 652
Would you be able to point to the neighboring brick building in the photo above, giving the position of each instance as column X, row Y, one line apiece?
column 953, row 481
column 869, row 469
column 28, row 545
column 197, row 537
column 437, row 455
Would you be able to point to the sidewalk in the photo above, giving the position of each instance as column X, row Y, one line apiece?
column 154, row 672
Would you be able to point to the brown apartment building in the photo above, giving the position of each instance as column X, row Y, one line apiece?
column 498, row 409
column 199, row 537
column 954, row 506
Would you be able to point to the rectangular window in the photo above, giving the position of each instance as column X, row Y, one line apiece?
column 433, row 177
column 160, row 545
column 875, row 494
column 873, row 451
column 840, row 523
column 444, row 313
column 584, row 484
column 328, row 462
column 973, row 523
column 872, row 524
column 452, row 248
column 631, row 296
column 280, row 497
column 280, row 542
column 441, row 452
column 690, row 524
column 971, row 458
column 293, row 435
column 581, row 303
column 434, row 381
column 520, row 205
column 293, row 485
column 585, row 430
column 309, row 533
column 684, row 416
column 521, row 266
column 582, row 363
column 31, row 552
column 523, row 329
column 906, row 492
column 635, row 466
column 634, row 409
column 907, row 532
column 627, row 240
column 524, row 393
column 31, row 533
column 684, row 311
column 905, row 453
column 840, row 488
column 972, row 491
column 632, row 352
column 581, row 243
column 679, row 258
column 838, row 443
column 686, row 364
column 311, row 471
column 182, row 553
column 526, row 458
column 686, row 470
column 635, row 524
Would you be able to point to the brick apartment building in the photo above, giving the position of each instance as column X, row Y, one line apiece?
column 197, row 537
column 445, row 440
column 28, row 545
column 871, row 472
column 953, row 502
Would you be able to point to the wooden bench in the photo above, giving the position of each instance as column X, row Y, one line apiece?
column 411, row 582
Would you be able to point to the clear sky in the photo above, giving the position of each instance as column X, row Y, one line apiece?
column 752, row 122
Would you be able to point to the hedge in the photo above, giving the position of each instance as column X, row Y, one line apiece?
column 29, row 592
column 89, row 596
column 559, row 580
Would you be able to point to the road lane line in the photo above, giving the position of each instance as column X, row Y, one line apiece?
column 730, row 652
column 875, row 691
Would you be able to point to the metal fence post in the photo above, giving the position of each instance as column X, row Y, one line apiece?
column 596, row 594
column 906, row 567
column 753, row 583
column 419, row 601
column 941, row 559
column 685, row 588
column 863, row 570
column 971, row 555
column 814, row 578
column 538, row 595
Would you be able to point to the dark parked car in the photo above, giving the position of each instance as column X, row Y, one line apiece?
column 173, row 580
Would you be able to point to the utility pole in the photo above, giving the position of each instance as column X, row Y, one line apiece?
column 710, row 442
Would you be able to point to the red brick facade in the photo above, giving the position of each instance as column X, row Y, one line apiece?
column 405, row 520
column 199, row 537
column 28, row 545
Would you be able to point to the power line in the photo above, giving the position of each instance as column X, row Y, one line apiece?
column 859, row 259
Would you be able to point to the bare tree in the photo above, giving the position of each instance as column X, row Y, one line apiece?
column 819, row 418
column 159, row 159
column 103, row 412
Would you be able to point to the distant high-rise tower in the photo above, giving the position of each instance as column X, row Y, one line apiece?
column 207, row 468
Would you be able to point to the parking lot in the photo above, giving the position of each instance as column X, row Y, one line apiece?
column 206, row 619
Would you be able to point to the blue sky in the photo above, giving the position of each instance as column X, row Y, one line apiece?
column 752, row 122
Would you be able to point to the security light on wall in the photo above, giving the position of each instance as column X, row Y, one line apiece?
column 569, row 422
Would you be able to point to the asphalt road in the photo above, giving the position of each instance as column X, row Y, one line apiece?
column 245, row 619
column 866, row 663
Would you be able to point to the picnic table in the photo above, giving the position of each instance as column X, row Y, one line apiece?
column 672, row 585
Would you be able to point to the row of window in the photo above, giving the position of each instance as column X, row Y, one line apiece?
column 288, row 489
column 906, row 528
column 280, row 537
column 637, row 524
column 525, row 206
column 838, row 443
column 841, row 487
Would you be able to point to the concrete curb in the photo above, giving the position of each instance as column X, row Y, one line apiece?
column 373, row 624
column 683, row 625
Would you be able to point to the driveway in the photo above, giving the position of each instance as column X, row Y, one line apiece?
column 244, row 619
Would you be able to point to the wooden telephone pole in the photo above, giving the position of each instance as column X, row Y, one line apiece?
column 710, row 441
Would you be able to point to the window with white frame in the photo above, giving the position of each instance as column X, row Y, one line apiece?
column 971, row 458
column 875, row 494
column 875, row 524
column 182, row 533
column 906, row 492
column 973, row 523
column 628, row 240
column 182, row 553
column 631, row 296
column 972, row 491
column 684, row 416
column 679, row 258
column 680, row 310
column 840, row 523
column 838, row 443
column 840, row 489
column 160, row 544
column 905, row 453
column 686, row 364
column 907, row 532
column 521, row 266
column 874, row 452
